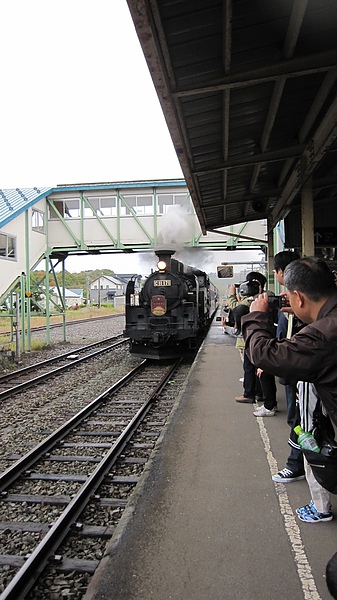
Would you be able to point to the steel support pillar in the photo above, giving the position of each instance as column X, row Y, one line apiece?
column 271, row 252
column 28, row 292
column 307, row 219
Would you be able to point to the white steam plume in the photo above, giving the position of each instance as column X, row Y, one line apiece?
column 176, row 228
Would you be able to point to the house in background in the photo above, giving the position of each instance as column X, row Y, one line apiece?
column 72, row 297
column 75, row 296
column 127, row 276
column 106, row 288
column 111, row 288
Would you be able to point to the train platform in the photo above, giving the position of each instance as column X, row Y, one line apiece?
column 207, row 521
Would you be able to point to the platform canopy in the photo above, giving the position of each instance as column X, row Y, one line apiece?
column 249, row 92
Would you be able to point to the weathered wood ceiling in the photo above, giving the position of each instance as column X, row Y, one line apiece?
column 249, row 92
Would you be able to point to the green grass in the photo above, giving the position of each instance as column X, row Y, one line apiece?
column 88, row 312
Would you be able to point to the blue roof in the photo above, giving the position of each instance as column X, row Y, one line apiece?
column 14, row 202
column 148, row 183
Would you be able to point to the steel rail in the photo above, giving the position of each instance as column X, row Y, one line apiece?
column 12, row 473
column 18, row 372
column 35, row 380
column 26, row 577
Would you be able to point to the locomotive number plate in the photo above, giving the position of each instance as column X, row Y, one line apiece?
column 161, row 282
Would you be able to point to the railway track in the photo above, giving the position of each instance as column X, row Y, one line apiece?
column 61, row 501
column 21, row 379
column 74, row 322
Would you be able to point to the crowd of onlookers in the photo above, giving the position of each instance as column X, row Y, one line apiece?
column 297, row 344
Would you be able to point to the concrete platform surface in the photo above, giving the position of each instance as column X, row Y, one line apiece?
column 207, row 521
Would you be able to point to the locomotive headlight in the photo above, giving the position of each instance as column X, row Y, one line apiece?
column 161, row 265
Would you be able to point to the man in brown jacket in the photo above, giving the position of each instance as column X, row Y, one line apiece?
column 310, row 353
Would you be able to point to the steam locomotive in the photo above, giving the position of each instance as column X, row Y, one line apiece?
column 173, row 310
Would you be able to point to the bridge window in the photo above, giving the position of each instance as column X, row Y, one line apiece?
column 87, row 209
column 131, row 201
column 104, row 207
column 72, row 208
column 182, row 199
column 7, row 246
column 166, row 201
column 141, row 204
column 68, row 208
column 144, row 205
column 38, row 220
column 59, row 206
column 108, row 206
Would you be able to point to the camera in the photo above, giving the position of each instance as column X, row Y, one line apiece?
column 276, row 302
column 249, row 288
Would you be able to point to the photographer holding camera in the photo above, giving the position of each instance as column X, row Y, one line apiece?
column 285, row 327
column 310, row 353
column 253, row 386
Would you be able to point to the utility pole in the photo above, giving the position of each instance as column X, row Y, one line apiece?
column 87, row 290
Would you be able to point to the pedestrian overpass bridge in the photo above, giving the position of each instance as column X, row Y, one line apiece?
column 49, row 224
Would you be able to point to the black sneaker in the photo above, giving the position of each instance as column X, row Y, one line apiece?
column 287, row 476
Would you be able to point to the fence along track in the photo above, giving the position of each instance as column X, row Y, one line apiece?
column 35, row 563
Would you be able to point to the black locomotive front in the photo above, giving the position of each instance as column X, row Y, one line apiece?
column 168, row 315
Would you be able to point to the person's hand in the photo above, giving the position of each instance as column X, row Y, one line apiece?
column 232, row 289
column 260, row 303
column 286, row 309
column 259, row 372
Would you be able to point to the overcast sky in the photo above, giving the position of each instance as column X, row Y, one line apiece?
column 77, row 101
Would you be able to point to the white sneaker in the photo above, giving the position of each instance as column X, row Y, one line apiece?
column 264, row 412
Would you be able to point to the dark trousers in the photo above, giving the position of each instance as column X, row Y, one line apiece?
column 295, row 458
column 251, row 384
column 268, row 386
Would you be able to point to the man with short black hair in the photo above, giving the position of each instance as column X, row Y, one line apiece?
column 282, row 260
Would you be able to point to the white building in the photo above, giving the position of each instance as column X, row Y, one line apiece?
column 72, row 297
column 105, row 288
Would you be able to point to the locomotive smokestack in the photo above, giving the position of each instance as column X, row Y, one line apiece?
column 165, row 254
